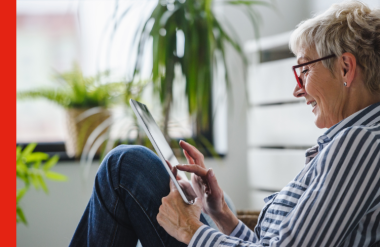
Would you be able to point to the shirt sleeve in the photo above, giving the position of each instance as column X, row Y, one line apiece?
column 243, row 232
column 344, row 187
column 206, row 236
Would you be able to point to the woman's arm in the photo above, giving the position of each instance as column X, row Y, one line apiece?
column 344, row 191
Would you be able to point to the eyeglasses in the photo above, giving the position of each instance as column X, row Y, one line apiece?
column 298, row 71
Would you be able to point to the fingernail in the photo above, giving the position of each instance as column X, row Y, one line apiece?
column 211, row 172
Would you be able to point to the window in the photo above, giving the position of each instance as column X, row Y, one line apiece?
column 51, row 35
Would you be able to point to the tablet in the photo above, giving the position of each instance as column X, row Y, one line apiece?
column 159, row 142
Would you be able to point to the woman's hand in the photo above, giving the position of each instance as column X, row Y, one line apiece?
column 184, row 184
column 204, row 182
column 207, row 189
column 179, row 219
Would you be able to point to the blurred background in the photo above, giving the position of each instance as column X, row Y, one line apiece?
column 226, row 88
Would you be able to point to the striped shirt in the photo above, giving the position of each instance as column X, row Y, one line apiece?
column 333, row 201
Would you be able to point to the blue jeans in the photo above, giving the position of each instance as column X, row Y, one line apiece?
column 129, row 186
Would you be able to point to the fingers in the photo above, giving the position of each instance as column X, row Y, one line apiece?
column 197, row 170
column 174, row 170
column 170, row 165
column 187, row 189
column 188, row 157
column 212, row 182
column 194, row 153
column 172, row 186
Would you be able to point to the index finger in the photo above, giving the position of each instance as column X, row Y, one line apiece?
column 197, row 170
column 174, row 170
column 193, row 152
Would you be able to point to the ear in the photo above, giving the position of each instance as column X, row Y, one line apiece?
column 348, row 67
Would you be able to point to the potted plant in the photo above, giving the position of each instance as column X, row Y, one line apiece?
column 204, row 39
column 86, row 101
column 32, row 168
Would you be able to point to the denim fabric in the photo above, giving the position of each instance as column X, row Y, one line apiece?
column 128, row 189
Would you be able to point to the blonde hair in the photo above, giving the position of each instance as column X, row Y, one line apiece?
column 351, row 27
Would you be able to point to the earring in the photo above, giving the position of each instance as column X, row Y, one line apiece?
column 345, row 84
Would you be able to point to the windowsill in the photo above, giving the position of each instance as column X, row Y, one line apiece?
column 58, row 148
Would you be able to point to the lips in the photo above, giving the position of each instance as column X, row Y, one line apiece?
column 312, row 103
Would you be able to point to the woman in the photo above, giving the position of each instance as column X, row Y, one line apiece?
column 333, row 201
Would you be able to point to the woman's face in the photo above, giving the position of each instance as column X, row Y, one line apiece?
column 322, row 91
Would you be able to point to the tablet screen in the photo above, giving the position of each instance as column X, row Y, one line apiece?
column 154, row 130
column 157, row 138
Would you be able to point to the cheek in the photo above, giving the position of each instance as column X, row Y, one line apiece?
column 316, row 86
column 311, row 86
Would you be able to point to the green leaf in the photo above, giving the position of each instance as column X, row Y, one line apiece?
column 20, row 216
column 78, row 91
column 18, row 153
column 36, row 156
column 34, row 180
column 20, row 193
column 37, row 164
column 55, row 176
column 58, row 96
column 23, row 176
column 51, row 162
column 209, row 147
column 43, row 184
column 28, row 150
column 166, row 16
column 21, row 167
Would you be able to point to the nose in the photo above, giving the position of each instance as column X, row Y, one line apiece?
column 299, row 92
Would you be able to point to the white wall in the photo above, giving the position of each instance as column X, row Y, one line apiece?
column 284, row 17
column 318, row 6
column 52, row 219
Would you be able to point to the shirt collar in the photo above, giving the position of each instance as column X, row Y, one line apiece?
column 365, row 117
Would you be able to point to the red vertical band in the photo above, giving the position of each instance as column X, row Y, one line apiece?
column 8, row 123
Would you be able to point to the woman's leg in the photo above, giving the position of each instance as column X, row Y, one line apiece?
column 128, row 189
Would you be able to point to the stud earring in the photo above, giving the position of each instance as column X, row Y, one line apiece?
column 345, row 84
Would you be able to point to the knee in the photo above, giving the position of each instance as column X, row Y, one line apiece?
column 127, row 160
column 128, row 155
column 129, row 152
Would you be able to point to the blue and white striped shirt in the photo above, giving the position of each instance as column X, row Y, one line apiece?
column 333, row 201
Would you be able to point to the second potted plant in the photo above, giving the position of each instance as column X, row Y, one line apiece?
column 86, row 101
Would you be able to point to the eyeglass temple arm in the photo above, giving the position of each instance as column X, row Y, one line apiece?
column 314, row 61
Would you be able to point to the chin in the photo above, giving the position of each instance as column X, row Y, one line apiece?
column 320, row 126
column 319, row 122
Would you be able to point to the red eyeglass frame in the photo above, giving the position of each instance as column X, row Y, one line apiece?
column 299, row 80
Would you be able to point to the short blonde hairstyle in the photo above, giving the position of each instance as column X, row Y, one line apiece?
column 351, row 27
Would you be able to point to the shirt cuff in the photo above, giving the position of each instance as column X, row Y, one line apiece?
column 206, row 236
column 240, row 230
